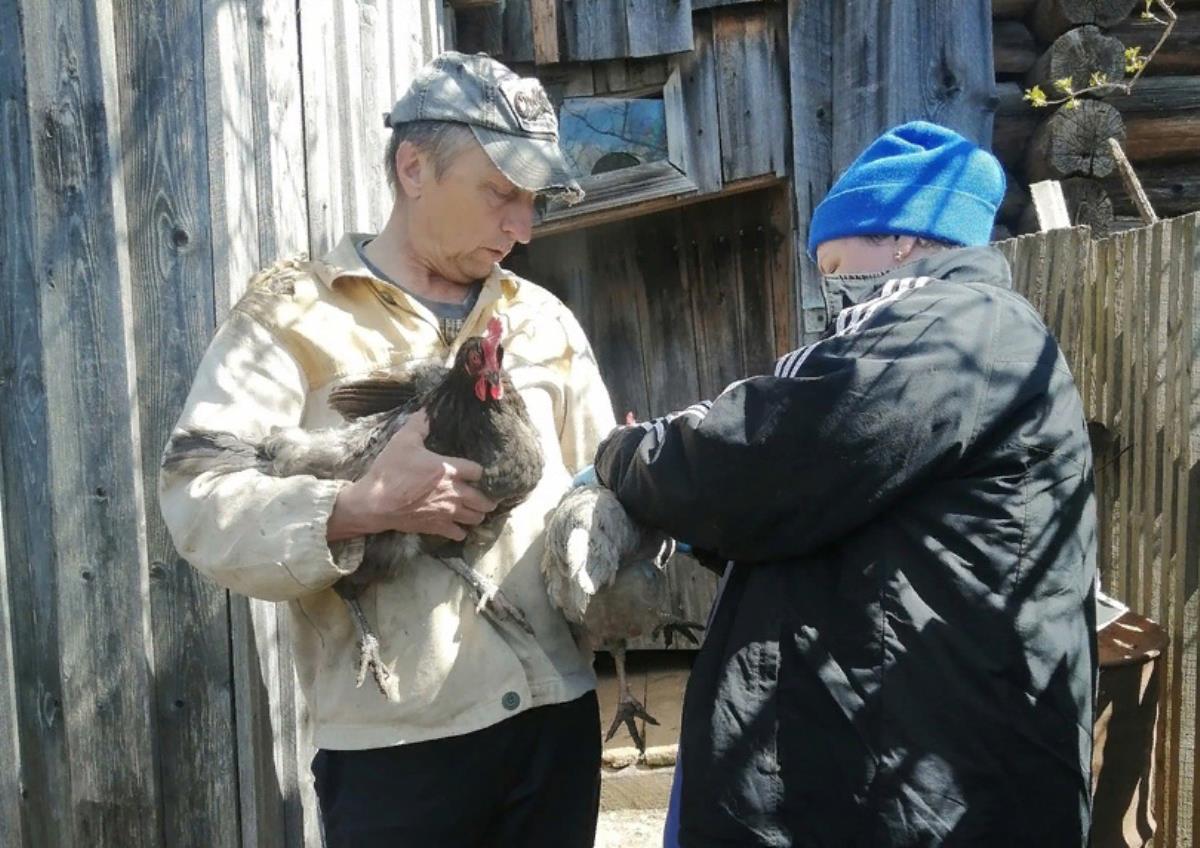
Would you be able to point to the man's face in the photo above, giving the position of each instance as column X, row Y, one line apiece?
column 470, row 218
column 856, row 255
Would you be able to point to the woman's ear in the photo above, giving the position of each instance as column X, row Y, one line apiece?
column 904, row 248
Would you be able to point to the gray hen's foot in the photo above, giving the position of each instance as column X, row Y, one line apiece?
column 368, row 658
column 630, row 708
column 490, row 601
column 688, row 631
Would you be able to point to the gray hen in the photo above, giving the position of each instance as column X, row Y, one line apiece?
column 605, row 573
column 473, row 413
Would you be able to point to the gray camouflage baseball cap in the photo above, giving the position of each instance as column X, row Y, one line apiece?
column 510, row 115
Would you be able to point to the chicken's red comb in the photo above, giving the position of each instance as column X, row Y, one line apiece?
column 491, row 341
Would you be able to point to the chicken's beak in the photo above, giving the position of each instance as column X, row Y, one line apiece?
column 495, row 385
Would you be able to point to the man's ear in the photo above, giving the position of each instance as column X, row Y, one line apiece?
column 410, row 169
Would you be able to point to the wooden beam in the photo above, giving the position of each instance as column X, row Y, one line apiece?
column 1074, row 142
column 1051, row 18
column 618, row 212
column 1050, row 205
column 1013, row 47
column 1014, row 9
column 1078, row 54
column 1162, row 118
column 1133, row 186
column 1180, row 53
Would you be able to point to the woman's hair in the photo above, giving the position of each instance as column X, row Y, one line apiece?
column 922, row 241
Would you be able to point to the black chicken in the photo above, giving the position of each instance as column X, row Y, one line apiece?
column 473, row 413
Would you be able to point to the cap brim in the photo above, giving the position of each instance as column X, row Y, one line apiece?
column 533, row 164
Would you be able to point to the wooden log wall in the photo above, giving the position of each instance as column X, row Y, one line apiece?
column 1039, row 41
column 1126, row 311
column 154, row 154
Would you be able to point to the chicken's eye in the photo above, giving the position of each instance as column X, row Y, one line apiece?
column 474, row 360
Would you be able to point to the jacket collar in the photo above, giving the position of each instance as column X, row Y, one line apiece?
column 963, row 265
column 343, row 263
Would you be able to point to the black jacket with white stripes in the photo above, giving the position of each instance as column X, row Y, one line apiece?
column 903, row 653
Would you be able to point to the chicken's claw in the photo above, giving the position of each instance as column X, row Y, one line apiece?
column 368, row 658
column 490, row 600
column 628, row 709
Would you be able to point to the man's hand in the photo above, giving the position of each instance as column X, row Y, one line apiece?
column 411, row 489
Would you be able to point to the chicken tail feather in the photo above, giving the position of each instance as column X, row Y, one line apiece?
column 192, row 452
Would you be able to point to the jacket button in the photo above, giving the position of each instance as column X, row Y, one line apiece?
column 510, row 701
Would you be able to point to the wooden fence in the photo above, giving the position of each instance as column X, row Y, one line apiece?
column 1126, row 311
column 152, row 153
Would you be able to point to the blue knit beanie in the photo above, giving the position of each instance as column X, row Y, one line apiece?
column 918, row 179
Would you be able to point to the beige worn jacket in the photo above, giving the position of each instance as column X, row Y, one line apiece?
column 301, row 329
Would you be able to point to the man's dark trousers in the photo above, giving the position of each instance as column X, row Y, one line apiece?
column 532, row 780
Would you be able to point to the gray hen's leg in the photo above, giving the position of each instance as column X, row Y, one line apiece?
column 628, row 707
column 491, row 601
column 368, row 657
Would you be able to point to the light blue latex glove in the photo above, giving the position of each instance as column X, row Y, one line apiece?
column 587, row 477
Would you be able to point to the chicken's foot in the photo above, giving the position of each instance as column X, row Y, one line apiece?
column 491, row 602
column 368, row 655
column 628, row 707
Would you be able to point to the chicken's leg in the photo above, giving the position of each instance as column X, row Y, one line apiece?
column 368, row 657
column 628, row 707
column 491, row 601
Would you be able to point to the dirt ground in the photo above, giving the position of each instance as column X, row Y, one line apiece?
column 630, row 829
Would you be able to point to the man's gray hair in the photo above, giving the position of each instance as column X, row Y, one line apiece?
column 441, row 141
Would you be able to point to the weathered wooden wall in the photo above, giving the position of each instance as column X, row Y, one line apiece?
column 154, row 154
column 1126, row 311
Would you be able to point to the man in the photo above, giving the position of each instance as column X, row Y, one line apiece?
column 494, row 741
column 903, row 652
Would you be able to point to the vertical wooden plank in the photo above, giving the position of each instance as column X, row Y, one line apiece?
column 351, row 168
column 899, row 60
column 30, row 554
column 322, row 142
column 278, row 127
column 375, row 99
column 667, row 333
column 11, row 784
column 233, row 203
column 781, row 263
column 1188, row 528
column 755, row 243
column 751, row 92
column 91, row 441
column 810, row 69
column 277, row 799
column 544, row 23
column 658, row 26
column 715, row 305
column 690, row 95
column 518, row 30
column 172, row 257
column 1127, row 364
column 616, row 304
column 595, row 29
